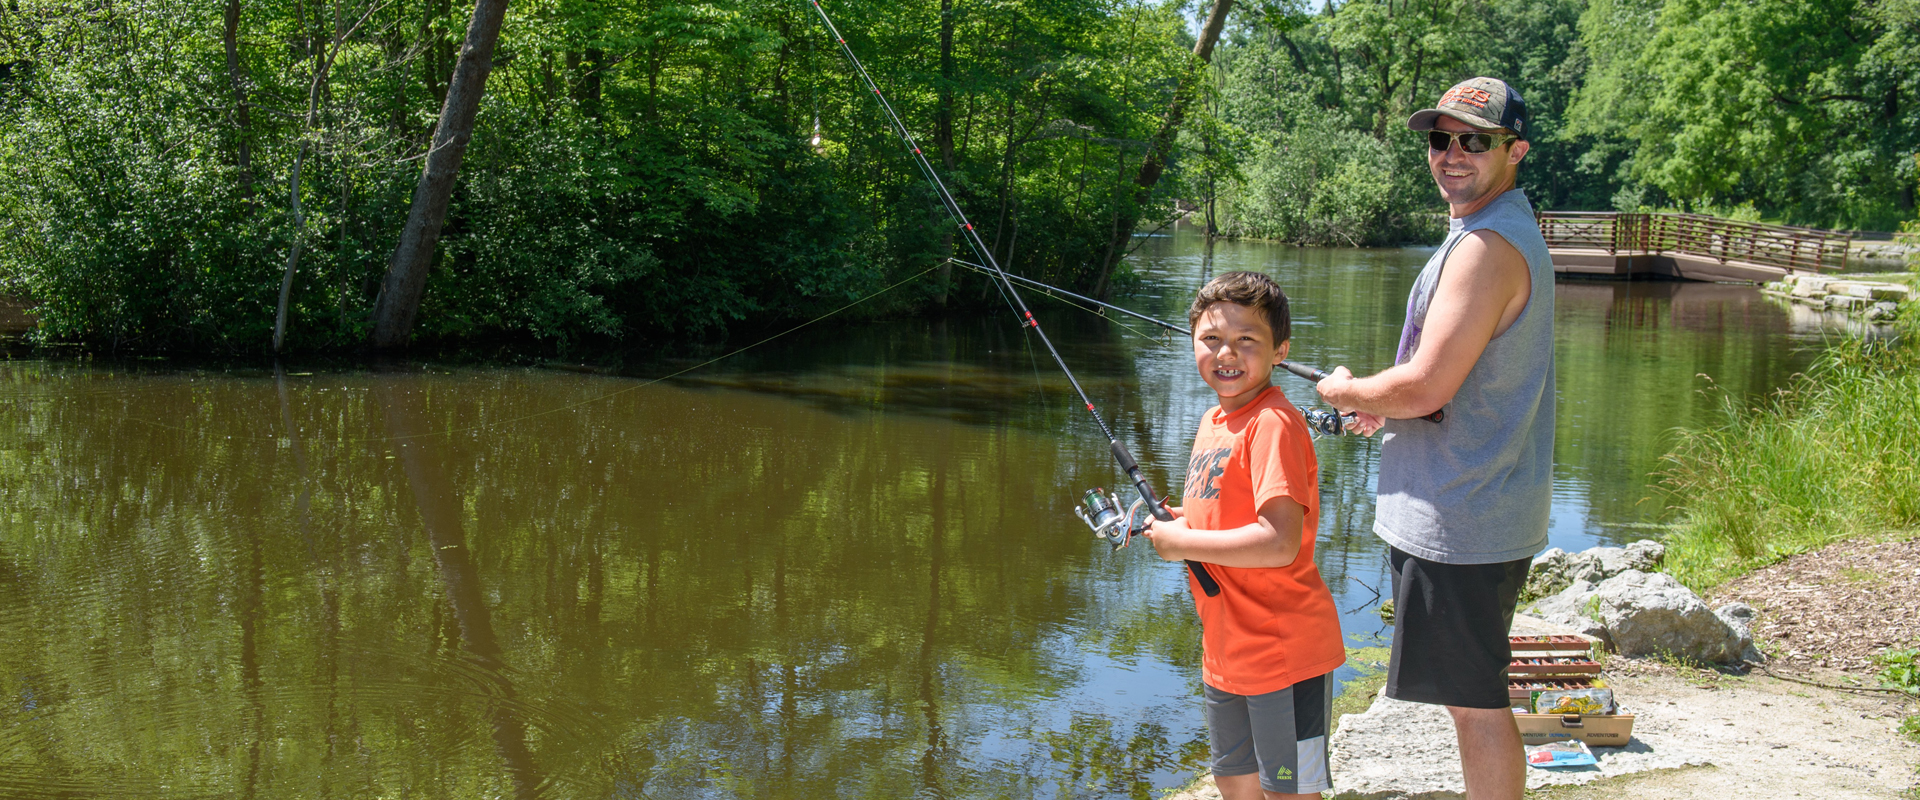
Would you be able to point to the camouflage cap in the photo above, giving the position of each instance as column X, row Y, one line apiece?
column 1484, row 103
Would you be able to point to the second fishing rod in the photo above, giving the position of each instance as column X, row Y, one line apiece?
column 1099, row 512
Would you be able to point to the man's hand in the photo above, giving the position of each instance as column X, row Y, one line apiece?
column 1365, row 424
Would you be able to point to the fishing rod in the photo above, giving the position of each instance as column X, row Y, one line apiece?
column 1330, row 424
column 1105, row 518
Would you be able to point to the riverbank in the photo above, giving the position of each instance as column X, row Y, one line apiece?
column 1832, row 457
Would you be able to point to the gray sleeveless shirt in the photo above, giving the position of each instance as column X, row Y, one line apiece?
column 1476, row 488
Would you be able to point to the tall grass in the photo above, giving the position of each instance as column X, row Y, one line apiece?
column 1831, row 457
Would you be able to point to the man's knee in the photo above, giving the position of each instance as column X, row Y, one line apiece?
column 1482, row 718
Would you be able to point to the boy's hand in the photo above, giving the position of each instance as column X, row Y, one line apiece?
column 1166, row 536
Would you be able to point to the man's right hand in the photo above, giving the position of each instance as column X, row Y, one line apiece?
column 1364, row 424
column 1331, row 390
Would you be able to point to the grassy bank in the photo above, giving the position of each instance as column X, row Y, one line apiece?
column 1831, row 457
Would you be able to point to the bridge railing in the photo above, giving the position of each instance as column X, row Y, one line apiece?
column 1724, row 240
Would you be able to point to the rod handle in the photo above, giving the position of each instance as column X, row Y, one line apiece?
column 1304, row 371
column 1309, row 373
column 1160, row 512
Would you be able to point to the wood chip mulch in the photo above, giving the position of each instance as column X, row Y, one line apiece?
column 1835, row 607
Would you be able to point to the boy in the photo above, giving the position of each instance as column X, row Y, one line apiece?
column 1251, row 511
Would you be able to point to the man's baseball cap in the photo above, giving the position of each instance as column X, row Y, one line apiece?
column 1481, row 102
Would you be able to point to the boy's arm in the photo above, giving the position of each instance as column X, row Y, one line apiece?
column 1272, row 540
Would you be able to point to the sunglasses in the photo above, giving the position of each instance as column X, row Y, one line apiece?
column 1470, row 142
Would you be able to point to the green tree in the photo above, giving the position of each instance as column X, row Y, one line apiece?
column 1802, row 110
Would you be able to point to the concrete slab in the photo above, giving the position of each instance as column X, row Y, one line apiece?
column 1407, row 751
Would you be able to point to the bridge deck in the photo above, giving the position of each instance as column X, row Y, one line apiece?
column 1595, row 261
column 1689, row 246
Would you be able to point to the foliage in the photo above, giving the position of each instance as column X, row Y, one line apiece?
column 1322, row 99
column 647, row 170
column 1898, row 669
column 1319, row 185
column 639, row 167
column 1802, row 109
column 1827, row 459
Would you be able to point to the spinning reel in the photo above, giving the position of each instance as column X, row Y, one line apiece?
column 1101, row 511
column 1326, row 422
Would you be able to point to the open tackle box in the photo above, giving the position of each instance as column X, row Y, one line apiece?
column 1550, row 668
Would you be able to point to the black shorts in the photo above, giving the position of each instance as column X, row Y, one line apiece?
column 1450, row 626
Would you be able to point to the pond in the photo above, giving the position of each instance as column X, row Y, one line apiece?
column 842, row 564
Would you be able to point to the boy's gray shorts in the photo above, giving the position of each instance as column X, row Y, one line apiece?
column 1280, row 735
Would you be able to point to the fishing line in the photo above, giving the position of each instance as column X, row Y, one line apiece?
column 1300, row 370
column 1105, row 517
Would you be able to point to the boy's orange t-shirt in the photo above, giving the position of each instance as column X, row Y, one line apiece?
column 1270, row 627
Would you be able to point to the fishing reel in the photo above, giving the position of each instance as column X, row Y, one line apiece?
column 1101, row 511
column 1326, row 422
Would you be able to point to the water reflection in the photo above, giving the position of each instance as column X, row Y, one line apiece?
column 403, row 406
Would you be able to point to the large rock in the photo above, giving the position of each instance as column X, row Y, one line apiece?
column 1810, row 286
column 1556, row 569
column 1573, row 607
column 1639, row 614
column 1739, row 619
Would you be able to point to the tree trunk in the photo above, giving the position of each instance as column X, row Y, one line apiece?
column 243, row 155
column 399, row 299
column 1155, row 162
column 321, row 69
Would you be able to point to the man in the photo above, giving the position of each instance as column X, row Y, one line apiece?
column 1463, row 502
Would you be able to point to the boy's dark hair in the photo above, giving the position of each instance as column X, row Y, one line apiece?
column 1251, row 289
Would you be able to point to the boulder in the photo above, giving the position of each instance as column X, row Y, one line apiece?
column 1883, row 311
column 1891, row 292
column 1573, row 607
column 1638, row 614
column 1850, row 288
column 1555, row 569
column 1847, row 302
column 1810, row 286
column 1739, row 618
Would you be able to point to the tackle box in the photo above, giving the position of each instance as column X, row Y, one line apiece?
column 1602, row 730
column 1543, row 663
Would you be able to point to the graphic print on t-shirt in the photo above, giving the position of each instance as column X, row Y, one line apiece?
column 1203, row 472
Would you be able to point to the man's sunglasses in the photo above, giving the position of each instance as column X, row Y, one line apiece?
column 1470, row 142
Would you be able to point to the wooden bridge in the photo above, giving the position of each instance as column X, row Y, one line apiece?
column 1690, row 246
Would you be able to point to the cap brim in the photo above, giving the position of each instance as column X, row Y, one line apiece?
column 1424, row 120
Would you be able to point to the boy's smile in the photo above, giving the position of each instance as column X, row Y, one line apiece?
column 1234, row 349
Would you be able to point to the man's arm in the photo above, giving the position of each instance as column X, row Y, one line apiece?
column 1482, row 290
column 1272, row 540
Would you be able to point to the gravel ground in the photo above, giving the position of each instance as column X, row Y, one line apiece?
column 1836, row 607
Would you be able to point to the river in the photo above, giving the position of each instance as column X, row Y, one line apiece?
column 842, row 564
